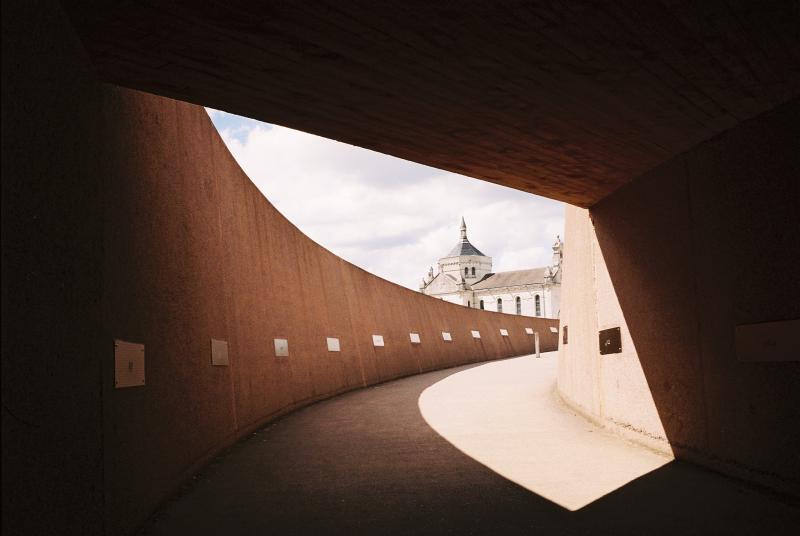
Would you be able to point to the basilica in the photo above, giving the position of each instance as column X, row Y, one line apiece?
column 465, row 277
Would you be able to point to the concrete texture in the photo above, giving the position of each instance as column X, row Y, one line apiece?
column 678, row 258
column 569, row 100
column 367, row 462
column 612, row 389
column 52, row 203
column 125, row 216
column 188, row 238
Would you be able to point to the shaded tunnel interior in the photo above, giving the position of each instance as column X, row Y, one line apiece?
column 373, row 466
column 567, row 100
column 731, row 202
column 124, row 216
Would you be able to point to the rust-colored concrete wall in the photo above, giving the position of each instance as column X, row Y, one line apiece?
column 194, row 251
column 677, row 259
column 125, row 216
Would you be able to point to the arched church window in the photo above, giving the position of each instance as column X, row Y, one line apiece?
column 499, row 305
column 473, row 270
column 469, row 304
column 481, row 304
column 466, row 271
column 519, row 305
column 538, row 303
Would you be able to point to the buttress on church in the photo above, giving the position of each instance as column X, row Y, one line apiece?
column 465, row 277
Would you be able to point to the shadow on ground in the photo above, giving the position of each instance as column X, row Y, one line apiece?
column 367, row 463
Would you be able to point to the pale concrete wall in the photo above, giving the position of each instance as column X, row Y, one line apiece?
column 578, row 359
column 613, row 391
column 677, row 259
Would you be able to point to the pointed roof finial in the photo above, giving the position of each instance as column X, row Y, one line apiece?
column 464, row 247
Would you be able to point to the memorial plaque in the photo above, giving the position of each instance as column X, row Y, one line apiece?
column 553, row 329
column 333, row 344
column 529, row 331
column 377, row 340
column 414, row 338
column 504, row 332
column 476, row 334
column 610, row 341
column 128, row 364
column 446, row 336
column 281, row 348
column 219, row 353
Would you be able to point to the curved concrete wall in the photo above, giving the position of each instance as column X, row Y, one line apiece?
column 677, row 259
column 194, row 252
column 125, row 216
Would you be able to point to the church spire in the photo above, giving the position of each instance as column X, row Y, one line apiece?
column 464, row 247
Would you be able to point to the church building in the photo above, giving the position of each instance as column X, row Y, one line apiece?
column 465, row 277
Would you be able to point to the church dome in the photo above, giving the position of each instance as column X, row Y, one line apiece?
column 464, row 246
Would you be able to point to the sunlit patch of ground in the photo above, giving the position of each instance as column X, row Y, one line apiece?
column 506, row 415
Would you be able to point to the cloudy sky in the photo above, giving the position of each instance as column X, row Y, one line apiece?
column 389, row 216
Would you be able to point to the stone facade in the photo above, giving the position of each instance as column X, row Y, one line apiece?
column 465, row 277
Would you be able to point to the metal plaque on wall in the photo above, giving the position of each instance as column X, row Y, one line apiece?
column 377, row 340
column 476, row 334
column 333, row 344
column 529, row 331
column 504, row 332
column 128, row 364
column 414, row 338
column 219, row 353
column 610, row 341
column 281, row 347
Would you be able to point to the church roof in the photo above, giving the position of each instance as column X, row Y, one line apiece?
column 442, row 283
column 464, row 247
column 511, row 279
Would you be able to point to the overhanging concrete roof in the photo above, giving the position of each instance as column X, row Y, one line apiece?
column 569, row 100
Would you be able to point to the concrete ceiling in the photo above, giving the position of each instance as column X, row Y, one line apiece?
column 569, row 100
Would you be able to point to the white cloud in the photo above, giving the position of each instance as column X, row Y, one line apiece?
column 391, row 217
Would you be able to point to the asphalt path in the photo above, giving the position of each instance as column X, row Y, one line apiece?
column 481, row 449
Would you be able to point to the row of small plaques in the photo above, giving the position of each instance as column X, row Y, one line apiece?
column 129, row 356
column 129, row 361
column 377, row 340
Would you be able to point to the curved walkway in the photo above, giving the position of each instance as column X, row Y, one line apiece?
column 507, row 416
column 367, row 462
